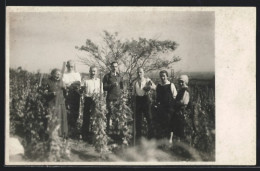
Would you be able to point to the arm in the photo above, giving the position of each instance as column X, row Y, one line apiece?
column 101, row 88
column 134, row 91
column 157, row 95
column 84, row 91
column 64, row 79
column 186, row 98
column 48, row 92
column 153, row 86
column 121, row 83
column 106, row 86
column 173, row 90
column 78, row 81
column 78, row 77
column 133, row 98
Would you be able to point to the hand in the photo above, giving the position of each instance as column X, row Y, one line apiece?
column 66, row 92
column 147, row 89
column 115, row 84
column 75, row 86
column 157, row 105
column 81, row 90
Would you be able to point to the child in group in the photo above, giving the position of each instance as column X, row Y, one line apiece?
column 165, row 99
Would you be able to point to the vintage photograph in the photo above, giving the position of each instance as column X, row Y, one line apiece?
column 111, row 85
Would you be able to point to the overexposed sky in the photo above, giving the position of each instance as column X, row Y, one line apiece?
column 43, row 40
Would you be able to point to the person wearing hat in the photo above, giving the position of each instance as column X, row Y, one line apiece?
column 72, row 82
column 183, row 96
column 180, row 118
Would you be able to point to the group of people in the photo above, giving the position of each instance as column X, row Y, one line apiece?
column 169, row 107
column 64, row 91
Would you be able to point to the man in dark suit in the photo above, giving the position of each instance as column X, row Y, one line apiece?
column 113, row 84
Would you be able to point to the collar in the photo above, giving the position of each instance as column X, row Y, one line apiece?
column 144, row 79
column 167, row 82
column 70, row 72
column 111, row 74
column 51, row 78
column 92, row 78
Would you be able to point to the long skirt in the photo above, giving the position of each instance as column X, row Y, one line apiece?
column 182, row 124
column 163, row 118
column 58, row 117
column 62, row 113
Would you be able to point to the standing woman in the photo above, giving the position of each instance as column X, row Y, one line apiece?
column 72, row 82
column 56, row 104
column 165, row 99
column 183, row 96
column 181, row 121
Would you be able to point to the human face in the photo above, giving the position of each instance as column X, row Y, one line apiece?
column 140, row 73
column 114, row 67
column 57, row 75
column 93, row 72
column 70, row 67
column 181, row 83
column 163, row 77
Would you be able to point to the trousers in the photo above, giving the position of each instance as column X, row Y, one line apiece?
column 89, row 109
column 143, row 109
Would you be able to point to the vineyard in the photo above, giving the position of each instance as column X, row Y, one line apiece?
column 29, row 115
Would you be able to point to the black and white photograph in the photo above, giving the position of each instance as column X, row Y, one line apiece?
column 127, row 85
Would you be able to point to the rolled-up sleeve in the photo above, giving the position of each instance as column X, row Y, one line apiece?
column 153, row 86
column 78, row 77
column 133, row 90
column 102, row 88
column 186, row 98
column 173, row 90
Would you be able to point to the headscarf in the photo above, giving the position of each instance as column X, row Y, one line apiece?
column 185, row 79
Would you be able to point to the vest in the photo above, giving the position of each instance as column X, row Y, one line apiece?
column 164, row 95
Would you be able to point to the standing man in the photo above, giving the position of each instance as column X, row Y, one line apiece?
column 113, row 84
column 91, row 87
column 72, row 83
column 141, row 88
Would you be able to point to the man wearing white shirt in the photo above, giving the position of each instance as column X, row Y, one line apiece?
column 71, row 80
column 141, row 88
column 91, row 87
